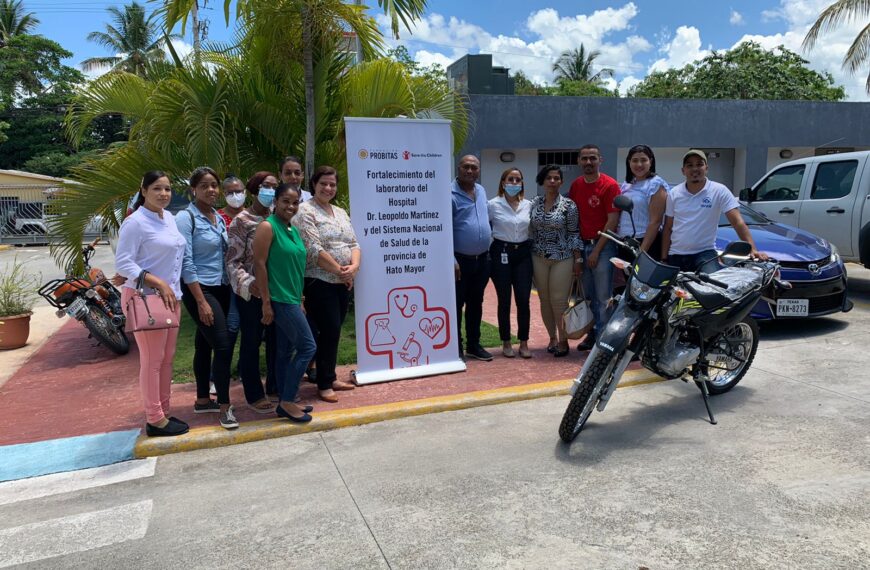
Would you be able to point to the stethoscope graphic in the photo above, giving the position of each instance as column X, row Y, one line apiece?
column 415, row 359
column 403, row 306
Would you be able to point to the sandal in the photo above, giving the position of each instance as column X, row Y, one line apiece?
column 264, row 406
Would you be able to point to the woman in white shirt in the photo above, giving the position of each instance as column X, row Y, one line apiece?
column 511, row 258
column 649, row 193
column 149, row 243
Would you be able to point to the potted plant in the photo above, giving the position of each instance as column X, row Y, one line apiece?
column 17, row 297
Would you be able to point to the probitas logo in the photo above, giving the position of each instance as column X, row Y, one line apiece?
column 378, row 154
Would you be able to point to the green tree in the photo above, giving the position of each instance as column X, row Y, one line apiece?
column 746, row 72
column 434, row 74
column 13, row 20
column 525, row 86
column 30, row 65
column 135, row 37
column 570, row 88
column 238, row 110
column 298, row 29
column 834, row 16
column 577, row 65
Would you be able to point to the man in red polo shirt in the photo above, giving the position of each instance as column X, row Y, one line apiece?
column 593, row 192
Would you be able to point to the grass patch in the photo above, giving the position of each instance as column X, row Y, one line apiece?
column 182, row 365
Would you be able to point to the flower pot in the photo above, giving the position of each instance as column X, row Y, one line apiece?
column 14, row 331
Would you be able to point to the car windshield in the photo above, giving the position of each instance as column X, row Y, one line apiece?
column 750, row 216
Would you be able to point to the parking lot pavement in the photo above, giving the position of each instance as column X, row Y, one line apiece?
column 782, row 481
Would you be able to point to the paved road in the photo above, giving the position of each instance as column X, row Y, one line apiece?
column 37, row 260
column 782, row 481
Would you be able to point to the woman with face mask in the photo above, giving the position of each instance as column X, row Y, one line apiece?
column 206, row 294
column 511, row 258
column 240, row 267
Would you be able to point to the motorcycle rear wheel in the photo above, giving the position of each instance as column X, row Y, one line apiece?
column 101, row 328
column 741, row 340
column 586, row 396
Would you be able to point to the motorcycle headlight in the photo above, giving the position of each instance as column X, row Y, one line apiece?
column 835, row 254
column 641, row 291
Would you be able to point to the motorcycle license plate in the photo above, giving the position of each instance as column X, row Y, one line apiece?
column 792, row 307
column 75, row 307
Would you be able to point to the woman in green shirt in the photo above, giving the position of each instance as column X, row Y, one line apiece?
column 279, row 257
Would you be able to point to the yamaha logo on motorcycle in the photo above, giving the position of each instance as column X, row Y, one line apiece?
column 685, row 325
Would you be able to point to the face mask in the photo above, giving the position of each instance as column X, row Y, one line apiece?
column 513, row 189
column 236, row 199
column 266, row 196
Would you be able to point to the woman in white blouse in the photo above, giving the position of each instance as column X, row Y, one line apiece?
column 511, row 258
column 149, row 243
column 333, row 262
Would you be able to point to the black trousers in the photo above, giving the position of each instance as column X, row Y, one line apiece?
column 253, row 332
column 474, row 274
column 326, row 306
column 211, row 339
column 516, row 276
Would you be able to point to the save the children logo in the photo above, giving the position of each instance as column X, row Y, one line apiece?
column 406, row 155
column 594, row 201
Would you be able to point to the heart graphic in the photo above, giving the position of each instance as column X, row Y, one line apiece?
column 432, row 327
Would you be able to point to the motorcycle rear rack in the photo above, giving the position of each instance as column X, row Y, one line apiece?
column 47, row 290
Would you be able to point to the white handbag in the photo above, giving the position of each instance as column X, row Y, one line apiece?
column 577, row 318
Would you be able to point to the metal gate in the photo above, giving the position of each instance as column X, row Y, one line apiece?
column 26, row 216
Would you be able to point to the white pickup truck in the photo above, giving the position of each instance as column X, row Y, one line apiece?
column 826, row 195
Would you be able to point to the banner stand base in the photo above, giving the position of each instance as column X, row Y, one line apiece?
column 377, row 376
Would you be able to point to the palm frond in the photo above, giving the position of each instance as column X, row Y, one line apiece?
column 833, row 17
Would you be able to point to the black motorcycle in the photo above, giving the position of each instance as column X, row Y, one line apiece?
column 92, row 300
column 680, row 324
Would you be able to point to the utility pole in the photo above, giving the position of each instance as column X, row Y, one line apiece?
column 200, row 27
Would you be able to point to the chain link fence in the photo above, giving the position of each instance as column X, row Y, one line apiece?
column 26, row 216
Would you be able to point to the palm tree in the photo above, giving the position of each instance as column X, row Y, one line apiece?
column 236, row 110
column 837, row 14
column 297, row 28
column 576, row 65
column 137, row 39
column 13, row 20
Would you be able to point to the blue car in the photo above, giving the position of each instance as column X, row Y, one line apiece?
column 810, row 263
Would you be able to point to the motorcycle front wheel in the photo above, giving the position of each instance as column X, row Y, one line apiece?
column 730, row 355
column 586, row 396
column 101, row 328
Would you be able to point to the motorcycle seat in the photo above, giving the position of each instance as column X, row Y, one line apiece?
column 740, row 281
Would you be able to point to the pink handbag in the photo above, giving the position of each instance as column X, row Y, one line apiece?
column 147, row 312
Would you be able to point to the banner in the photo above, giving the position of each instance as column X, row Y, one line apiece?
column 399, row 173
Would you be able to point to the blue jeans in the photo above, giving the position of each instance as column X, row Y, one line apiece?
column 705, row 261
column 294, row 348
column 598, row 283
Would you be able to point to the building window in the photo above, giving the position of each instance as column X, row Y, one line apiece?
column 558, row 157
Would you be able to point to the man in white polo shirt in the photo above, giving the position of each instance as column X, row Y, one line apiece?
column 692, row 218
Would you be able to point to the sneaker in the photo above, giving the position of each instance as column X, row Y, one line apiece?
column 228, row 420
column 211, row 389
column 211, row 408
column 478, row 353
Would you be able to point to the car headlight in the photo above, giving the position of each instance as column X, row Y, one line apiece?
column 835, row 253
column 641, row 291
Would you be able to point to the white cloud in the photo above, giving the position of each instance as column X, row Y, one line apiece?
column 736, row 18
column 685, row 47
column 549, row 34
column 627, row 83
column 829, row 50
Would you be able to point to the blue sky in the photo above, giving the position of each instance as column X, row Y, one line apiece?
column 634, row 36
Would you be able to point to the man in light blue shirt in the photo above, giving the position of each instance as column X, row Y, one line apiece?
column 471, row 238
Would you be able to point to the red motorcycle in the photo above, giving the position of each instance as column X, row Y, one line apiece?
column 92, row 300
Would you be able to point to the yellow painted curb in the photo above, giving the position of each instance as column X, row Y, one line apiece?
column 210, row 437
column 5, row 246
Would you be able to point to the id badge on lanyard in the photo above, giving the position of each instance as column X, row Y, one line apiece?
column 504, row 258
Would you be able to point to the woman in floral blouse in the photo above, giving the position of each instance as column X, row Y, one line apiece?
column 556, row 257
column 333, row 262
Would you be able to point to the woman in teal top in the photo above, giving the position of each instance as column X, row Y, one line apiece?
column 279, row 257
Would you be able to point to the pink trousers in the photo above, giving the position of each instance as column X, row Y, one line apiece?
column 156, row 351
